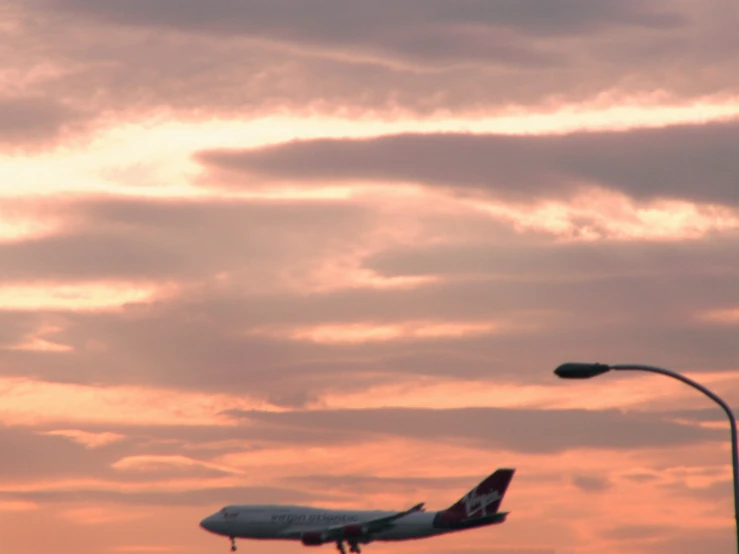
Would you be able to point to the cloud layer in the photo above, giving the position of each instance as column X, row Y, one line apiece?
column 696, row 163
column 267, row 252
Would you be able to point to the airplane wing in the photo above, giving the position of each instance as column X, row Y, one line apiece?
column 377, row 524
column 359, row 528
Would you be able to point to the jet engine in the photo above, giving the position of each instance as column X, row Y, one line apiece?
column 312, row 538
column 354, row 531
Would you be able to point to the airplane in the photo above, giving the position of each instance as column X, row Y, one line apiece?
column 316, row 526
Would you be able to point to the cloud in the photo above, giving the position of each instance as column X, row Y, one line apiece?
column 170, row 239
column 192, row 497
column 357, row 484
column 33, row 121
column 29, row 455
column 159, row 355
column 521, row 430
column 713, row 414
column 15, row 325
column 597, row 319
column 641, row 477
column 715, row 491
column 647, row 164
column 514, row 550
column 242, row 267
column 693, row 540
column 248, row 58
column 431, row 29
column 86, row 438
column 169, row 442
column 572, row 261
column 636, row 532
column 727, row 316
column 170, row 465
column 591, row 483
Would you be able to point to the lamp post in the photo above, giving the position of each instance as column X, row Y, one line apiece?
column 586, row 371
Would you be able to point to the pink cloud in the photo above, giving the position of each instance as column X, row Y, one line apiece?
column 251, row 254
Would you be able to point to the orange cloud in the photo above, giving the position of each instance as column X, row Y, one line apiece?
column 163, row 463
column 87, row 438
column 31, row 402
column 37, row 344
column 626, row 392
column 725, row 316
column 144, row 548
column 17, row 506
column 156, row 154
column 96, row 515
column 78, row 296
column 349, row 337
column 599, row 214
column 378, row 332
column 15, row 226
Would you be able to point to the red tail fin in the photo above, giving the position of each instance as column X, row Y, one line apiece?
column 485, row 498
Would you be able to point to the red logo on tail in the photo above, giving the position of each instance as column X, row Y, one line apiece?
column 485, row 498
column 474, row 502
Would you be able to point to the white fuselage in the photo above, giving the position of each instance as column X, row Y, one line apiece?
column 288, row 522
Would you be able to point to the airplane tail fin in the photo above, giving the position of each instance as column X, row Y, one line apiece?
column 484, row 500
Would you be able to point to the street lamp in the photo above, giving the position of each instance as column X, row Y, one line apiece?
column 586, row 371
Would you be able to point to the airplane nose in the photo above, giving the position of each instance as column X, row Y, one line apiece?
column 208, row 524
column 215, row 523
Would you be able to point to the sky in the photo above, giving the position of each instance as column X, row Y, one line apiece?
column 330, row 253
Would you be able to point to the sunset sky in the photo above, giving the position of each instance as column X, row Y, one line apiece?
column 329, row 252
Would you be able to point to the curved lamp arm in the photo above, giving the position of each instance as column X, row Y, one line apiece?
column 586, row 371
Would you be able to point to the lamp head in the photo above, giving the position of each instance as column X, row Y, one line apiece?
column 575, row 370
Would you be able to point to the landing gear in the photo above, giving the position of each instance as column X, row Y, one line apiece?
column 340, row 547
column 233, row 544
column 354, row 547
